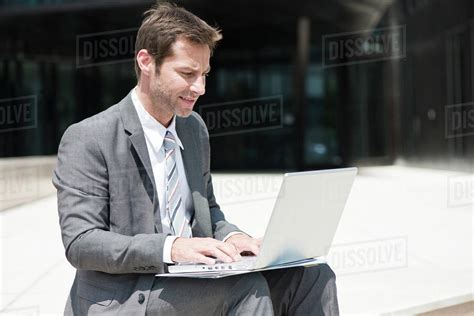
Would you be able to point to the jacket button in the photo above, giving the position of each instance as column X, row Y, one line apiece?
column 141, row 298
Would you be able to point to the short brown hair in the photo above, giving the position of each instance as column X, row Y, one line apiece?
column 165, row 23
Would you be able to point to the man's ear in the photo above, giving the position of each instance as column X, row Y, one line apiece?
column 145, row 62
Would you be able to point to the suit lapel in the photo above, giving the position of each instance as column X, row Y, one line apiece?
column 192, row 161
column 133, row 127
column 190, row 154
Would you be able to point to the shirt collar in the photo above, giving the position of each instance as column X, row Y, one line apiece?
column 150, row 123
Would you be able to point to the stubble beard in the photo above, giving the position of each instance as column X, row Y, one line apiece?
column 162, row 100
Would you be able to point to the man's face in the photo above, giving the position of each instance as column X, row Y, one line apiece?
column 181, row 78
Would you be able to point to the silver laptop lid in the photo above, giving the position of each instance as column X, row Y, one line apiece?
column 305, row 215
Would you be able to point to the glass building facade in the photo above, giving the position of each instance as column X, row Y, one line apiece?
column 356, row 82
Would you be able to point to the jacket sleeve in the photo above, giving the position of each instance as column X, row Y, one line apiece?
column 81, row 180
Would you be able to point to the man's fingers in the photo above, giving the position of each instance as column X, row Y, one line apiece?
column 252, row 247
column 202, row 250
column 199, row 258
column 218, row 250
column 231, row 250
column 219, row 254
column 255, row 248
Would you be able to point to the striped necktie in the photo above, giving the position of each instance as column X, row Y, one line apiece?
column 175, row 209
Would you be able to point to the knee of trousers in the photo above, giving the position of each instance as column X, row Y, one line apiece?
column 328, row 272
column 253, row 283
column 321, row 272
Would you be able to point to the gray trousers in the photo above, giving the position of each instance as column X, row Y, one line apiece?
column 292, row 291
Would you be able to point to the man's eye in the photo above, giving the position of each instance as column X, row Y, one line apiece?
column 187, row 74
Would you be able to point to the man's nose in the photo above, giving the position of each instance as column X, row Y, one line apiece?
column 199, row 85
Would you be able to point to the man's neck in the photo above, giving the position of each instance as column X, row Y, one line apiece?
column 143, row 95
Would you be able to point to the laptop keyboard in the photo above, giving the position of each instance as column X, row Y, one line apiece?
column 247, row 262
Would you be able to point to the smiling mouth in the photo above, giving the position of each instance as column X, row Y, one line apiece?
column 188, row 100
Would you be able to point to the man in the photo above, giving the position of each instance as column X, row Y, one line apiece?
column 135, row 194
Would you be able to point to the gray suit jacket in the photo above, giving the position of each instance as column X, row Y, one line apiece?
column 109, row 210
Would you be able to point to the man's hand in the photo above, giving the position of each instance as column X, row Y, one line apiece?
column 244, row 243
column 201, row 250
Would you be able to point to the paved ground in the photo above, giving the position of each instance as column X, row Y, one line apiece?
column 404, row 244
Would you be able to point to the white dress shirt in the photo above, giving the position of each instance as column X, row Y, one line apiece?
column 154, row 135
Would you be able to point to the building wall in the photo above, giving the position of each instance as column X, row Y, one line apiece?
column 317, row 112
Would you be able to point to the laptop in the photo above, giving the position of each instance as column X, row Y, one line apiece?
column 302, row 225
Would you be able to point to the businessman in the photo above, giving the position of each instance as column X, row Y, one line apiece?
column 135, row 195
